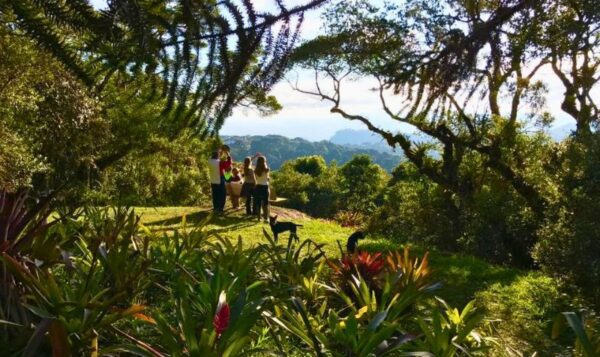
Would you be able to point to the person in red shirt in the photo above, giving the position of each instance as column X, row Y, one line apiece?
column 218, row 164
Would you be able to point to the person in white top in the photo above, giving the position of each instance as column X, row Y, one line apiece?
column 261, row 192
column 248, row 186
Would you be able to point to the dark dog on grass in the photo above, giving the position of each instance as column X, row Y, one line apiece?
column 353, row 241
column 280, row 227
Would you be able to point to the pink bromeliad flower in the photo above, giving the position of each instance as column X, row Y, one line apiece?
column 222, row 315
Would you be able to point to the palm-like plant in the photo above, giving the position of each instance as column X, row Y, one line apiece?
column 205, row 56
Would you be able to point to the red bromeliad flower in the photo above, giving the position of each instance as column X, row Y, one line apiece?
column 221, row 320
column 222, row 315
column 367, row 264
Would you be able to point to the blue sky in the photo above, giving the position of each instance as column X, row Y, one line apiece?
column 307, row 117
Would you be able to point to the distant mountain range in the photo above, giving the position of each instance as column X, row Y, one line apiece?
column 342, row 146
column 279, row 149
column 361, row 139
column 370, row 140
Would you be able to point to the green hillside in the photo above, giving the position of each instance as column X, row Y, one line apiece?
column 461, row 275
column 520, row 305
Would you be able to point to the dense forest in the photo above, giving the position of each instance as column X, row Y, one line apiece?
column 481, row 229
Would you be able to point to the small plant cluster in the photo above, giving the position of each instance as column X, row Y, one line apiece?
column 97, row 282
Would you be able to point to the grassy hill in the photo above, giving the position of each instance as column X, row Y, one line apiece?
column 522, row 304
column 461, row 275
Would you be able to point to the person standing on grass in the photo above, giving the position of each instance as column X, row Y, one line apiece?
column 235, row 184
column 217, row 165
column 248, row 186
column 261, row 194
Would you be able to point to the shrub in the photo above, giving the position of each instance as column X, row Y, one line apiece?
column 568, row 241
column 309, row 185
column 525, row 311
column 408, row 211
column 493, row 222
column 171, row 173
column 363, row 184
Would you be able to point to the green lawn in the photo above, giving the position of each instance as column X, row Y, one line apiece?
column 235, row 224
column 461, row 275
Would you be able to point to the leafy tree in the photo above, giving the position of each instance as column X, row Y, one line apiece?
column 57, row 117
column 310, row 185
column 437, row 74
column 17, row 162
column 99, row 84
column 165, row 173
column 466, row 75
column 568, row 245
column 311, row 165
column 363, row 182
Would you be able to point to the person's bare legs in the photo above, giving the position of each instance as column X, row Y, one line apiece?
column 235, row 201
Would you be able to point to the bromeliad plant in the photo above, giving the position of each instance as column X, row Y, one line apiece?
column 400, row 270
column 368, row 265
column 102, row 284
column 448, row 332
column 216, row 308
column 293, row 269
column 359, row 317
column 385, row 315
column 24, row 243
column 74, row 298
column 371, row 327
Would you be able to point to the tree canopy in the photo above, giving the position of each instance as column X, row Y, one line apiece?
column 451, row 65
column 472, row 76
column 203, row 57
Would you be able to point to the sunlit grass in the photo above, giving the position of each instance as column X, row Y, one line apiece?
column 461, row 275
column 235, row 224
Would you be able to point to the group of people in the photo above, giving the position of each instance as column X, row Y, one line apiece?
column 225, row 178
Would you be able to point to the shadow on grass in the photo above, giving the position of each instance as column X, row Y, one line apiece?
column 461, row 275
column 231, row 221
column 192, row 219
